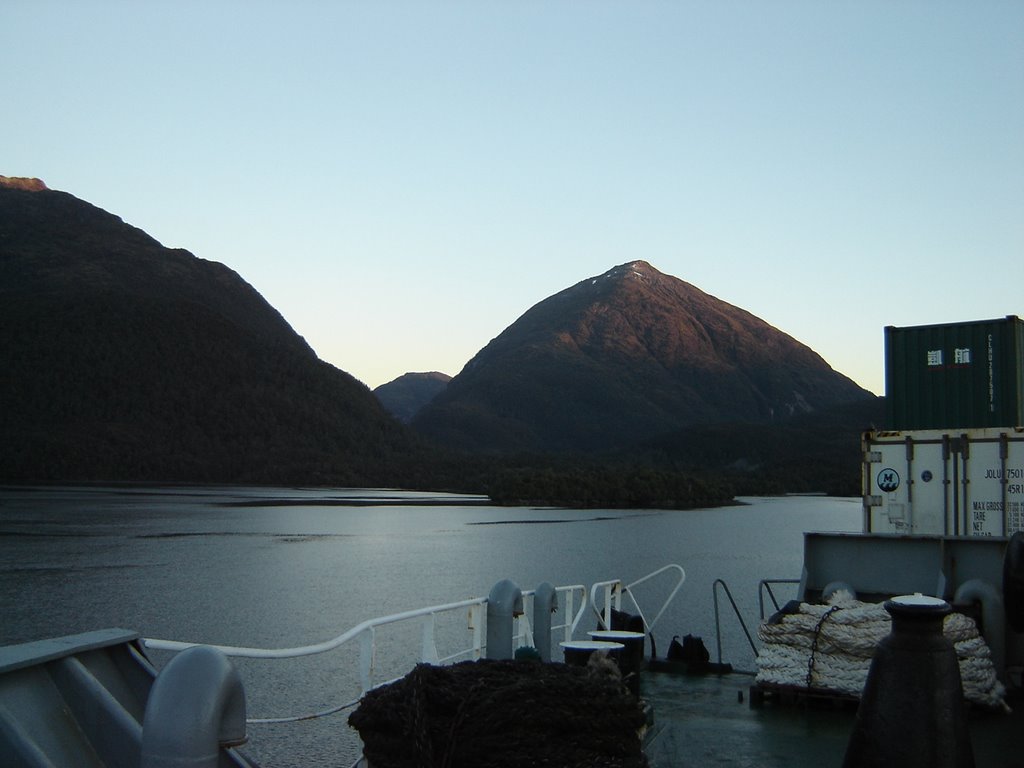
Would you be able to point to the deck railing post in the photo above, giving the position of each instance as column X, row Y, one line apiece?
column 367, row 648
column 570, row 614
column 428, row 654
column 476, row 624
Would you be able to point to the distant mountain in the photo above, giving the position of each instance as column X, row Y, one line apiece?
column 125, row 360
column 625, row 357
column 405, row 396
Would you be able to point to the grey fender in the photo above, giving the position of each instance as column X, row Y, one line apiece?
column 196, row 706
column 504, row 603
column 544, row 604
column 993, row 618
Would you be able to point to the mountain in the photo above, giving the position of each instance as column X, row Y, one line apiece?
column 126, row 360
column 405, row 396
column 622, row 358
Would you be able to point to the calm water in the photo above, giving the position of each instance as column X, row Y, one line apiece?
column 284, row 567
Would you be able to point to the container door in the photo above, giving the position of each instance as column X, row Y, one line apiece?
column 907, row 484
column 890, row 510
column 996, row 488
column 927, row 489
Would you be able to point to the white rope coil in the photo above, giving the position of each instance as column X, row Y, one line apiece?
column 831, row 646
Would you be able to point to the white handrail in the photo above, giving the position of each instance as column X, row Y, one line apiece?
column 365, row 632
column 327, row 645
column 669, row 599
column 612, row 599
column 614, row 589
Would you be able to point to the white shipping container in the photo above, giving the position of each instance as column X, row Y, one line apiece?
column 951, row 482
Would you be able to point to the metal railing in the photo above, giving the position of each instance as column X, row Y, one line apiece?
column 364, row 635
column 614, row 589
column 524, row 630
column 765, row 585
column 718, row 583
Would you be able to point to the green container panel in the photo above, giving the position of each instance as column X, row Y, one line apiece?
column 956, row 375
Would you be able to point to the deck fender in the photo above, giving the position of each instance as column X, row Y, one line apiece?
column 993, row 622
column 504, row 603
column 1013, row 581
column 545, row 603
column 196, row 706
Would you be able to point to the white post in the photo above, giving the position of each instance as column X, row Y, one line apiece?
column 428, row 652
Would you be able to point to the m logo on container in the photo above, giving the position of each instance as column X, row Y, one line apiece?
column 888, row 480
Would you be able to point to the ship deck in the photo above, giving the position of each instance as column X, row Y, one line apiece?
column 708, row 720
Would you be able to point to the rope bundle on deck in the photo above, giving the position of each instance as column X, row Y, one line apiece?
column 501, row 714
column 830, row 647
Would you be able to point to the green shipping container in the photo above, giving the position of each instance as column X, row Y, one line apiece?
column 955, row 376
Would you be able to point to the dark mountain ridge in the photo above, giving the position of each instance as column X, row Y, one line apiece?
column 125, row 360
column 54, row 245
column 624, row 357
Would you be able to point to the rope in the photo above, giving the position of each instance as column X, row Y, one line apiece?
column 830, row 647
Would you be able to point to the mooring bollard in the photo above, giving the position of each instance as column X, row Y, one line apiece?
column 504, row 603
column 544, row 604
column 912, row 710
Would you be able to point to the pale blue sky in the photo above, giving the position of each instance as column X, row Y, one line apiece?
column 403, row 180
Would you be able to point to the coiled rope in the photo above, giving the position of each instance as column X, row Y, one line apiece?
column 830, row 647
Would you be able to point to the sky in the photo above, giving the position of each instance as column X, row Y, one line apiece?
column 403, row 180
